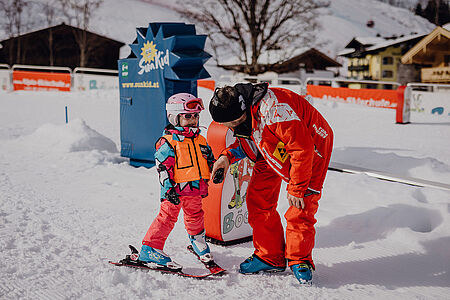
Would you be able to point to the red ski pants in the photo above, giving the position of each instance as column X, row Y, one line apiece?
column 168, row 215
column 268, row 235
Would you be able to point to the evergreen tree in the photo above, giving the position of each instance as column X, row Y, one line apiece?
column 418, row 11
column 437, row 12
column 429, row 12
column 444, row 13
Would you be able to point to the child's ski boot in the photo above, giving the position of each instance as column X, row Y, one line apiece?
column 157, row 258
column 303, row 273
column 200, row 247
column 254, row 265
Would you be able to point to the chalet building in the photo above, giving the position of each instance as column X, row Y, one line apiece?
column 378, row 58
column 61, row 45
column 301, row 63
column 432, row 56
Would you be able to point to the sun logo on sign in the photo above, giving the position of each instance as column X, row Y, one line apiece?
column 149, row 52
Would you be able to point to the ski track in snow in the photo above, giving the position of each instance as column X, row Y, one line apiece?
column 68, row 208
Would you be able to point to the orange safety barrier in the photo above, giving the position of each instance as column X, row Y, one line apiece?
column 41, row 81
column 367, row 97
column 208, row 84
column 226, row 216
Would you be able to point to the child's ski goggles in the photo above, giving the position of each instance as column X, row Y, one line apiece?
column 190, row 115
column 193, row 105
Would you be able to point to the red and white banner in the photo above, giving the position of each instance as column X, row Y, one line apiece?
column 41, row 81
column 367, row 97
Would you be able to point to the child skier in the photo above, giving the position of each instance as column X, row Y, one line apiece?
column 184, row 160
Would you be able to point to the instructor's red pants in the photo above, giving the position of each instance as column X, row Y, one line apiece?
column 268, row 235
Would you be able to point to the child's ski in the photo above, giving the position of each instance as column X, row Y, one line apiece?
column 132, row 262
column 212, row 266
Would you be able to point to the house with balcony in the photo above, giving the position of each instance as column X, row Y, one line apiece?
column 432, row 55
column 378, row 58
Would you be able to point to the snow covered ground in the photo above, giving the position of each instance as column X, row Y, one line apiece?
column 69, row 203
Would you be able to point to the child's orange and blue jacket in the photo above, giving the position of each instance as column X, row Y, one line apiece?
column 184, row 161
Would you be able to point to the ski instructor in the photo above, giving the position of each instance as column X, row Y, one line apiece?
column 288, row 139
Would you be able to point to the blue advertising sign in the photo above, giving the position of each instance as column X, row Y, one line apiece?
column 166, row 58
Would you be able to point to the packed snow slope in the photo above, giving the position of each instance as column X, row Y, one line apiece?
column 69, row 203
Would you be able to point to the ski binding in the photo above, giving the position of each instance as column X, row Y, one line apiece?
column 211, row 265
column 132, row 261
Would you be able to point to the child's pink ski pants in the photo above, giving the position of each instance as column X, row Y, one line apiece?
column 168, row 215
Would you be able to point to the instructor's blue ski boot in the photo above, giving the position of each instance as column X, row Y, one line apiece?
column 303, row 273
column 254, row 265
column 157, row 258
column 200, row 247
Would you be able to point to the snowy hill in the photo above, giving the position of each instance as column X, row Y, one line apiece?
column 342, row 21
column 346, row 19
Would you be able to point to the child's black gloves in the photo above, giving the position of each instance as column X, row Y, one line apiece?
column 172, row 196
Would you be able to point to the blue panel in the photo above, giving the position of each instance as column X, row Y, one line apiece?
column 169, row 59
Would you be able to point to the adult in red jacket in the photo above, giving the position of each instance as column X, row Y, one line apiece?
column 289, row 140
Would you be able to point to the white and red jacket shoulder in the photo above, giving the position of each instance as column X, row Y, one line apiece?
column 292, row 136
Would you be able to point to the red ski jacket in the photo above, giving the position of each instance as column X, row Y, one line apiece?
column 292, row 136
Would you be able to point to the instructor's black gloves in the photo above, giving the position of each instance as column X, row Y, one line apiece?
column 172, row 196
column 218, row 176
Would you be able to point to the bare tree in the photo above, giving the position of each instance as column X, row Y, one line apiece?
column 248, row 28
column 13, row 22
column 50, row 10
column 79, row 13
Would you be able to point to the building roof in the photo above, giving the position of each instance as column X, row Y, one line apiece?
column 59, row 26
column 276, row 61
column 424, row 51
column 446, row 26
column 268, row 57
column 388, row 43
column 100, row 51
column 367, row 41
column 382, row 43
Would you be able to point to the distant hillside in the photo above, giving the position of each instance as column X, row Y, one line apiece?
column 341, row 21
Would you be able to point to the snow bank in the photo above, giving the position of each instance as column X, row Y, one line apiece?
column 72, row 137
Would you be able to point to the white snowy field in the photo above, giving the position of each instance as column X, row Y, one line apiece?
column 69, row 203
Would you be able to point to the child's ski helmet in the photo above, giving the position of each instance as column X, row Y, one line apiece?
column 182, row 103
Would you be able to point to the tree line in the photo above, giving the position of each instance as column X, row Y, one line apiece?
column 436, row 11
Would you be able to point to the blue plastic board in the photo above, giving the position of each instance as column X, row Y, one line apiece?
column 168, row 59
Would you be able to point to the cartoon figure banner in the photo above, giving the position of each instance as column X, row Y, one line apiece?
column 226, row 214
column 166, row 58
